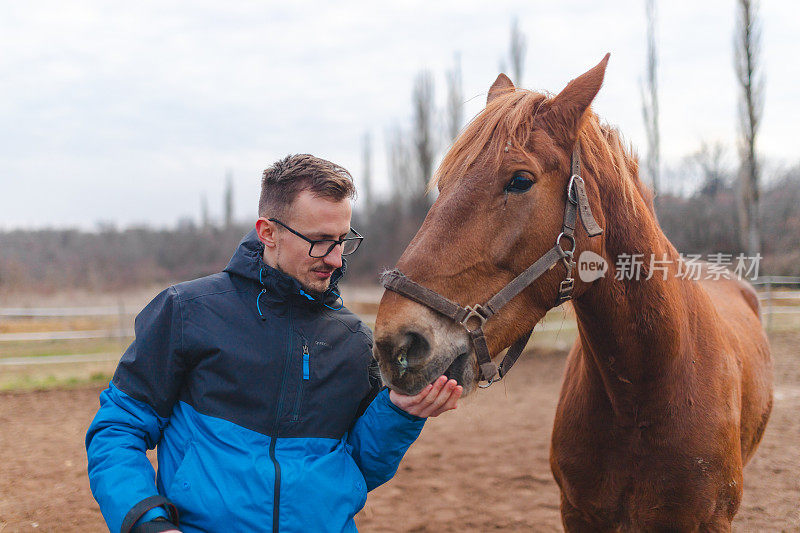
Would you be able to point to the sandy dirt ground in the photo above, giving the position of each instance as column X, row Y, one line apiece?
column 483, row 467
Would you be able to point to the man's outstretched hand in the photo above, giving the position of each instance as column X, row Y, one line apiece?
column 435, row 399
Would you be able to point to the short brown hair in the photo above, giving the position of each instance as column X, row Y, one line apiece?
column 286, row 178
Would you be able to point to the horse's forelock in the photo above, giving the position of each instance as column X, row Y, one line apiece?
column 509, row 120
column 506, row 119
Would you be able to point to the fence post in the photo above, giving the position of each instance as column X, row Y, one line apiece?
column 769, row 304
column 121, row 333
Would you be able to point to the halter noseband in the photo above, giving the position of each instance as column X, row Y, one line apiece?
column 473, row 318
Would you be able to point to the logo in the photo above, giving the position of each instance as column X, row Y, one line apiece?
column 591, row 266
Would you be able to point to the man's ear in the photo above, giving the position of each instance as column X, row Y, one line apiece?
column 267, row 233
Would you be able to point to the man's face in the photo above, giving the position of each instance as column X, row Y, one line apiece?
column 316, row 218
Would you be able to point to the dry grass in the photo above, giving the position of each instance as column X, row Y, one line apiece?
column 78, row 323
column 53, row 381
column 62, row 347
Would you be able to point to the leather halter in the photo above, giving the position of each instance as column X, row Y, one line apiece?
column 473, row 318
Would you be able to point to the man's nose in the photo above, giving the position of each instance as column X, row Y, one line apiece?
column 334, row 259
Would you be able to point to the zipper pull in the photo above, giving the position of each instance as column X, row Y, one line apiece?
column 306, row 357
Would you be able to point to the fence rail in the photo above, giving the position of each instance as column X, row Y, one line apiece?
column 768, row 296
column 786, row 310
column 60, row 359
column 66, row 335
column 55, row 312
column 783, row 295
column 776, row 280
column 774, row 303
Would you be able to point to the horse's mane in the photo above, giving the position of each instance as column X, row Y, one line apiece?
column 510, row 119
column 603, row 151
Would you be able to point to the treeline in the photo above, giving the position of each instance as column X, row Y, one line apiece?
column 707, row 220
column 703, row 222
column 109, row 259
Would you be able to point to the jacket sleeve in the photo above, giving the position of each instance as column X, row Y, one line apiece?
column 380, row 438
column 133, row 412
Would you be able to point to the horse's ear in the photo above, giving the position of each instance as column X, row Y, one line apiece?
column 500, row 86
column 571, row 103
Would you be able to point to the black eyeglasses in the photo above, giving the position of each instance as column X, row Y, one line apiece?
column 322, row 247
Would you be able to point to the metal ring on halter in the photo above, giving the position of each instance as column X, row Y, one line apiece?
column 489, row 382
column 476, row 311
column 570, row 187
column 571, row 238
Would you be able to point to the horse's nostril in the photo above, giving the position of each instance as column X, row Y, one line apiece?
column 403, row 351
column 414, row 347
column 383, row 349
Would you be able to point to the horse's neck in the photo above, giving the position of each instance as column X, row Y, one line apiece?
column 630, row 328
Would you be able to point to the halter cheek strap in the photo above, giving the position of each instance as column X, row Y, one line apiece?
column 473, row 318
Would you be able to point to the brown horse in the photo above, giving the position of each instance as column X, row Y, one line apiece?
column 668, row 388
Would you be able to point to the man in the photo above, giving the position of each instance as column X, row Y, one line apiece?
column 257, row 386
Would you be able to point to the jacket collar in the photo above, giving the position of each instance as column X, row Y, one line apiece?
column 248, row 262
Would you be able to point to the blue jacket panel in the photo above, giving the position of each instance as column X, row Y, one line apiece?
column 120, row 475
column 260, row 400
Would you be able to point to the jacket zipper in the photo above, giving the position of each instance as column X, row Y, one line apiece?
column 277, row 488
column 301, row 386
column 276, row 499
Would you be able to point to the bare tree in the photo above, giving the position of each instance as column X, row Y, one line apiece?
column 455, row 100
column 517, row 51
column 228, row 199
column 205, row 218
column 747, row 45
column 710, row 160
column 366, row 159
column 401, row 174
column 650, row 102
column 423, row 143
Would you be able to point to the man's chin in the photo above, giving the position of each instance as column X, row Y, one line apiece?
column 316, row 288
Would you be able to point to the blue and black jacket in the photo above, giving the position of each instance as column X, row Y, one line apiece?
column 262, row 405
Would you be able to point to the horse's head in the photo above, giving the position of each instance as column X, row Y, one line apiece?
column 502, row 193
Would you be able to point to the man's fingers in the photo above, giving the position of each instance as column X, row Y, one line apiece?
column 433, row 400
column 452, row 402
column 445, row 392
column 420, row 396
column 433, row 393
column 410, row 404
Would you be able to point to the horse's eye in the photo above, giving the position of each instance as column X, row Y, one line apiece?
column 518, row 184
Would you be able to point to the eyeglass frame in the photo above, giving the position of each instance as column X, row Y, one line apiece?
column 358, row 237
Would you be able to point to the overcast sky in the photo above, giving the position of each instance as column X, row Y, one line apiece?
column 130, row 111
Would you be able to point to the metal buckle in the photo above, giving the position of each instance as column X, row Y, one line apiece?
column 571, row 187
column 566, row 286
column 565, row 290
column 475, row 311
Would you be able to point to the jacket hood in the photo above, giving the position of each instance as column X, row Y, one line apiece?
column 248, row 262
